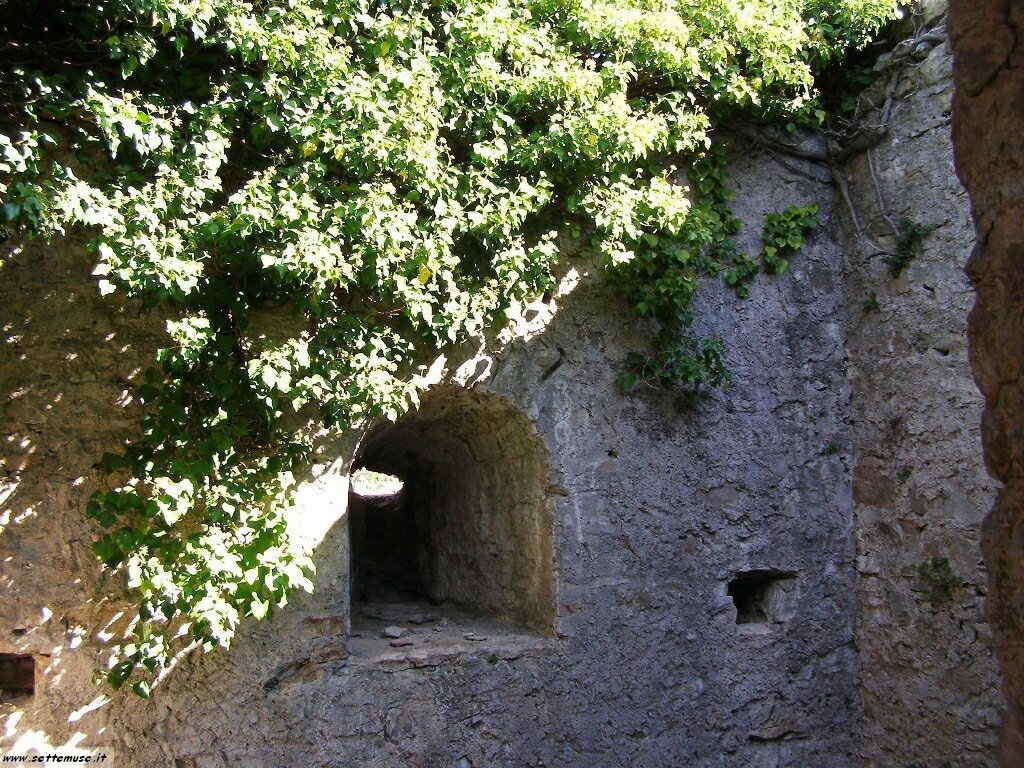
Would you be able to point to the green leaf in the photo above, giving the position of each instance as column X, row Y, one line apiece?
column 126, row 538
column 117, row 676
column 108, row 551
column 259, row 608
column 100, row 513
column 269, row 376
column 111, row 462
column 322, row 197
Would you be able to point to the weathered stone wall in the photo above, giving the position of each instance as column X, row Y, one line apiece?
column 655, row 511
column 988, row 117
column 68, row 361
column 928, row 677
column 841, row 484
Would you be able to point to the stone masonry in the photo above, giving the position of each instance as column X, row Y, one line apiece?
column 928, row 677
column 602, row 580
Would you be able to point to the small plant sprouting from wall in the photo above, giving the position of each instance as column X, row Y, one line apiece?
column 740, row 269
column 784, row 235
column 937, row 581
column 696, row 366
column 908, row 245
column 679, row 360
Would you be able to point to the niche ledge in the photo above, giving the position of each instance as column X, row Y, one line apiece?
column 433, row 633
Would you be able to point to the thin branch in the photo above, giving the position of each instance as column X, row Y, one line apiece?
column 788, row 149
column 844, row 191
column 882, row 207
column 832, row 161
column 776, row 156
column 861, row 142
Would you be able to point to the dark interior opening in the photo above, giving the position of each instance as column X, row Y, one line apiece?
column 387, row 548
column 17, row 675
column 757, row 594
column 468, row 536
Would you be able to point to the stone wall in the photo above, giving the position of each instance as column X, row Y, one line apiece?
column 654, row 512
column 68, row 362
column 928, row 677
column 697, row 575
column 988, row 116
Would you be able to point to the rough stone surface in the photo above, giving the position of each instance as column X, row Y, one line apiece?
column 650, row 513
column 928, row 676
column 988, row 116
column 654, row 511
column 68, row 360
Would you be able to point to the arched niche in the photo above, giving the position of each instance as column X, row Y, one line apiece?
column 471, row 526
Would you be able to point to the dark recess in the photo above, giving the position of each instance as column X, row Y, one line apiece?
column 17, row 675
column 752, row 591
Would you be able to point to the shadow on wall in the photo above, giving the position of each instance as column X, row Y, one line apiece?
column 68, row 362
column 641, row 566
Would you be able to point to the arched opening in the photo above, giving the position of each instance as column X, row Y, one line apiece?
column 468, row 534
column 384, row 540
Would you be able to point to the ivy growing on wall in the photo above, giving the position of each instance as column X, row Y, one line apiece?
column 389, row 177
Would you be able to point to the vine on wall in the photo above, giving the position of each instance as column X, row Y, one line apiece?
column 394, row 176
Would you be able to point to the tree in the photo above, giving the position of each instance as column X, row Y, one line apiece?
column 396, row 176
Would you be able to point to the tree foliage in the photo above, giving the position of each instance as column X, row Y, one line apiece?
column 394, row 176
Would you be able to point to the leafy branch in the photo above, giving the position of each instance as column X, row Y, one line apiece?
column 385, row 179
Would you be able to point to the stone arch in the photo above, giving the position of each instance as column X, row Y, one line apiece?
column 472, row 525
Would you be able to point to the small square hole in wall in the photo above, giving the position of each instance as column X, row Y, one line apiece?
column 17, row 675
column 762, row 597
